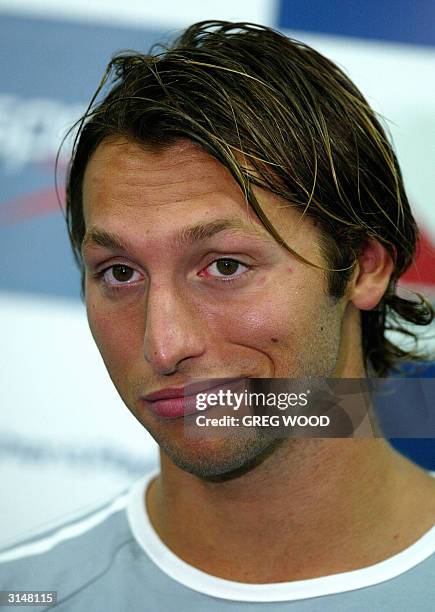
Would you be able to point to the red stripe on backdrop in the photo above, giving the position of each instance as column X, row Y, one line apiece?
column 423, row 271
column 25, row 207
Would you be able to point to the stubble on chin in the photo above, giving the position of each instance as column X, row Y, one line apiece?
column 228, row 459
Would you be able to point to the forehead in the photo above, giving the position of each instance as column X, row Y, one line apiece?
column 183, row 172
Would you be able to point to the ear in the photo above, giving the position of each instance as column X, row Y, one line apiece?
column 372, row 275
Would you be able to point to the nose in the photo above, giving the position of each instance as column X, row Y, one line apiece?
column 173, row 330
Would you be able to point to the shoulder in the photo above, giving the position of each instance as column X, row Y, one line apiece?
column 92, row 561
column 69, row 553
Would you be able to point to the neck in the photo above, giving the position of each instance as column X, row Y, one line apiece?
column 358, row 494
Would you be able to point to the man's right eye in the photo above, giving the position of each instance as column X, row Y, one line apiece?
column 119, row 274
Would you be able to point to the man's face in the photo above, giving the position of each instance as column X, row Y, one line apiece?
column 198, row 289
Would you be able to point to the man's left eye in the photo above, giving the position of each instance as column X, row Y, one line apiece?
column 225, row 267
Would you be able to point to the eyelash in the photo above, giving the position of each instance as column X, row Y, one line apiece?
column 221, row 279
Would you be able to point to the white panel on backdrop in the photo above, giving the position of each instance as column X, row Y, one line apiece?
column 137, row 13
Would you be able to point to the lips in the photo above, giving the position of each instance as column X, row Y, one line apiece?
column 169, row 393
column 176, row 402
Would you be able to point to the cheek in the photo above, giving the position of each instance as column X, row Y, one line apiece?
column 116, row 334
column 269, row 318
column 257, row 328
column 243, row 322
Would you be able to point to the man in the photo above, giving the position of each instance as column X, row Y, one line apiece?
column 238, row 213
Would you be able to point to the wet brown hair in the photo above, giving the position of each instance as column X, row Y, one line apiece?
column 281, row 116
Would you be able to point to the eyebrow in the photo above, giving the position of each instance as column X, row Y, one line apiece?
column 184, row 237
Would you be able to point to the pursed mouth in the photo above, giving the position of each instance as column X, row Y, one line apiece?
column 176, row 403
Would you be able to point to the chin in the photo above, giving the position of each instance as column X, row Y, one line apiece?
column 219, row 459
